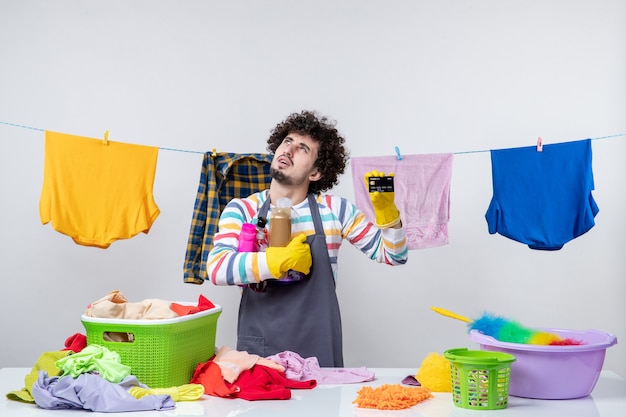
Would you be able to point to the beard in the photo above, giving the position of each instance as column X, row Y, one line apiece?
column 280, row 177
column 284, row 179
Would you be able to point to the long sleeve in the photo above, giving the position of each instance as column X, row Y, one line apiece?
column 200, row 224
column 224, row 176
column 227, row 266
column 341, row 220
column 387, row 246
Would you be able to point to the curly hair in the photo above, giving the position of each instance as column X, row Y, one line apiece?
column 332, row 156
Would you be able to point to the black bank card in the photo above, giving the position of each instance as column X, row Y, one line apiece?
column 381, row 184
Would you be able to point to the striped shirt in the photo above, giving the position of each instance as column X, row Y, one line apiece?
column 341, row 220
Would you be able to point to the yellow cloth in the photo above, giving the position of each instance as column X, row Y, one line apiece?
column 187, row 392
column 97, row 193
column 46, row 362
column 434, row 373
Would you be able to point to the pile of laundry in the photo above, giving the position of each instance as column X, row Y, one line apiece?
column 235, row 374
column 92, row 377
column 115, row 306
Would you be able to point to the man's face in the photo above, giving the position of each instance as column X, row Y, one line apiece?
column 294, row 160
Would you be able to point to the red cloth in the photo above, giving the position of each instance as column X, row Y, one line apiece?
column 258, row 383
column 76, row 342
column 182, row 310
column 209, row 375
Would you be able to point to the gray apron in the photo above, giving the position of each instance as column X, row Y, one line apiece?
column 302, row 316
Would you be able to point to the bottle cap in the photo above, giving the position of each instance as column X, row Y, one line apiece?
column 283, row 202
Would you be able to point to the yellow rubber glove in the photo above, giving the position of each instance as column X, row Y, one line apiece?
column 385, row 210
column 296, row 256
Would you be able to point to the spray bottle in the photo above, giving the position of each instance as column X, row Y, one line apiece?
column 247, row 238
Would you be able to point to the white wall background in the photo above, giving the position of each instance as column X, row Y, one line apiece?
column 427, row 76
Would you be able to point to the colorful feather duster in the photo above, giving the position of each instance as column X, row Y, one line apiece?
column 506, row 330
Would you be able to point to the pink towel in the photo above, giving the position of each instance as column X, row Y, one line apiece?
column 298, row 368
column 422, row 193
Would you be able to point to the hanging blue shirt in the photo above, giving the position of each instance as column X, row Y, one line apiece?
column 542, row 198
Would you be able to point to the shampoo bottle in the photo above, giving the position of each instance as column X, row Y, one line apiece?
column 280, row 223
column 280, row 235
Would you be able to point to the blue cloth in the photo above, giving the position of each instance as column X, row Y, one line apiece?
column 94, row 393
column 542, row 199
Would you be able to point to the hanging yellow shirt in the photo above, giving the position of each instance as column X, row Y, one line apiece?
column 97, row 192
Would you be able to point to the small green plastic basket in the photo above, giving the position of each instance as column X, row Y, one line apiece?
column 480, row 379
column 161, row 353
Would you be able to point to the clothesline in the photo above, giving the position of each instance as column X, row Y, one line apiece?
column 397, row 150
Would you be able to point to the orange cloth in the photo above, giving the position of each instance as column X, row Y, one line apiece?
column 209, row 375
column 183, row 310
column 97, row 193
column 391, row 397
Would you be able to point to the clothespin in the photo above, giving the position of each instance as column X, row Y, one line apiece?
column 214, row 153
column 539, row 144
column 106, row 138
column 398, row 153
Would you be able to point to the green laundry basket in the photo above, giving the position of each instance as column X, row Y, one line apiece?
column 480, row 379
column 161, row 353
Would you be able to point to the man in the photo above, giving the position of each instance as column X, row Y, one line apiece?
column 301, row 316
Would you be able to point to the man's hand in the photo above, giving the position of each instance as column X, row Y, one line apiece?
column 385, row 210
column 296, row 256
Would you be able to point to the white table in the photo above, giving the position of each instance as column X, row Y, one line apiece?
column 607, row 400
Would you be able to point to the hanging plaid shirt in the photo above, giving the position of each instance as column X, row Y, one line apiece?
column 224, row 176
